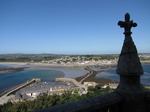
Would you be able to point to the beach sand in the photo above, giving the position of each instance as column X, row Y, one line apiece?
column 70, row 71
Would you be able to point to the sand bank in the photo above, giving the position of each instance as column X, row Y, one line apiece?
column 70, row 71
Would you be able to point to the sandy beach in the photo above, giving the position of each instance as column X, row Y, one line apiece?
column 77, row 72
column 70, row 71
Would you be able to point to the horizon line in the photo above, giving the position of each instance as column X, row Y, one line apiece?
column 63, row 54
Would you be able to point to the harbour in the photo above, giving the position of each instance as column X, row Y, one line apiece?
column 31, row 88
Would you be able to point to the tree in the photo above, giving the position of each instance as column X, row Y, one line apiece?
column 45, row 100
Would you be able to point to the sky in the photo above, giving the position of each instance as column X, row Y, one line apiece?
column 71, row 26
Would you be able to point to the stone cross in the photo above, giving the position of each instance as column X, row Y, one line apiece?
column 127, row 24
column 128, row 63
column 129, row 68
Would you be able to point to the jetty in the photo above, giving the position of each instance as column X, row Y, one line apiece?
column 88, row 75
column 12, row 90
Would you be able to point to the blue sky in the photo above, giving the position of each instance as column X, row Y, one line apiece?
column 71, row 26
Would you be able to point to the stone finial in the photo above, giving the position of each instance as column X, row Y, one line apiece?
column 127, row 24
column 129, row 63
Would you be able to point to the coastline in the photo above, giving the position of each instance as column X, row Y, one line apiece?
column 145, row 62
column 66, row 69
column 88, row 76
column 76, row 70
column 93, row 71
column 70, row 71
column 38, row 65
column 11, row 70
column 92, row 78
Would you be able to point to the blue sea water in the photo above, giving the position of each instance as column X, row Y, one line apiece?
column 110, row 73
column 8, row 80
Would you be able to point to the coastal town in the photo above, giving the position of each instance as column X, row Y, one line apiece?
column 30, row 89
column 80, row 60
column 74, row 56
column 90, row 59
column 66, row 59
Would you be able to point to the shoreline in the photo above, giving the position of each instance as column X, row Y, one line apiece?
column 63, row 68
column 92, row 78
column 37, row 65
column 77, row 77
column 11, row 70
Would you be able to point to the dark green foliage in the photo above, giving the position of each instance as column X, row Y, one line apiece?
column 6, row 107
column 27, row 57
column 44, row 100
column 2, row 59
column 144, row 59
column 23, row 59
column 98, row 91
column 102, row 57
column 99, row 86
column 146, row 88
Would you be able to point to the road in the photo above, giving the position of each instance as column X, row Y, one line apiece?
column 89, row 74
column 83, row 89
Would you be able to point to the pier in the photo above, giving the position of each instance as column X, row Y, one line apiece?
column 88, row 75
column 12, row 90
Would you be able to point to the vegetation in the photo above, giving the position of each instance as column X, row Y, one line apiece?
column 96, row 57
column 102, row 57
column 146, row 88
column 48, row 57
column 44, row 100
column 27, row 57
column 144, row 59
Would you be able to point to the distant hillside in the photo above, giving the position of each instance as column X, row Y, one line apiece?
column 26, row 57
column 47, row 57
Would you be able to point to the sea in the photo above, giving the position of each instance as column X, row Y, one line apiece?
column 9, row 80
column 110, row 73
